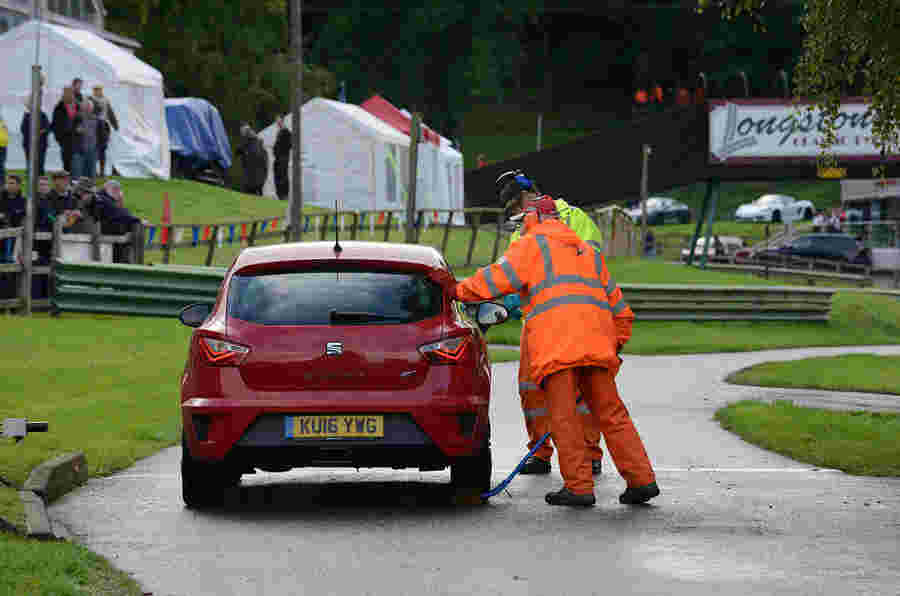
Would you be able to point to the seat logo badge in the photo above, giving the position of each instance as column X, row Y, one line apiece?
column 334, row 348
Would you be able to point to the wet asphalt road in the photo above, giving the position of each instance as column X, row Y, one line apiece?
column 732, row 519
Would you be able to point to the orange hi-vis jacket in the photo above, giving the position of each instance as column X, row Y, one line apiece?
column 574, row 313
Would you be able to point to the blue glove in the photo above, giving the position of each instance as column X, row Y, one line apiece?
column 513, row 302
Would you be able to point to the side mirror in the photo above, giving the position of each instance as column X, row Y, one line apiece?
column 490, row 313
column 193, row 315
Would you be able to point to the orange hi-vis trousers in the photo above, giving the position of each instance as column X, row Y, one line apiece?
column 598, row 386
column 537, row 416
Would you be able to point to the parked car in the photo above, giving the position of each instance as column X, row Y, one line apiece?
column 727, row 247
column 835, row 247
column 660, row 210
column 312, row 357
column 775, row 208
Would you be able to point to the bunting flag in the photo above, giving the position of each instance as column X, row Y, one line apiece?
column 151, row 232
column 306, row 224
column 231, row 234
column 243, row 231
column 179, row 235
column 381, row 218
column 195, row 231
column 372, row 226
column 274, row 224
column 435, row 216
column 262, row 228
column 206, row 232
column 164, row 235
column 220, row 236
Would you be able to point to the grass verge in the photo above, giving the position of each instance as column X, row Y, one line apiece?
column 58, row 569
column 499, row 355
column 861, row 443
column 857, row 319
column 851, row 372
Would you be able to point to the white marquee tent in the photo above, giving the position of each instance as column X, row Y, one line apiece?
column 140, row 148
column 352, row 156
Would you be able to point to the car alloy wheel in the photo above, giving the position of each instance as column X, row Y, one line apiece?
column 776, row 217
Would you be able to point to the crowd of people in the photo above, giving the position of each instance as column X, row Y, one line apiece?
column 81, row 126
column 827, row 221
column 78, row 204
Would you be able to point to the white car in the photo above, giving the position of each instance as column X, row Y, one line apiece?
column 660, row 210
column 775, row 208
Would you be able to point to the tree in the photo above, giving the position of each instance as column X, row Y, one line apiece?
column 852, row 47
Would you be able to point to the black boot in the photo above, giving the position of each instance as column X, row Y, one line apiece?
column 641, row 494
column 570, row 499
column 596, row 467
column 535, row 465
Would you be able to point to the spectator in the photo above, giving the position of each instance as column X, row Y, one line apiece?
column 834, row 222
column 282, row 151
column 682, row 96
column 61, row 201
column 115, row 219
column 819, row 222
column 83, row 195
column 43, row 131
column 84, row 142
column 718, row 247
column 76, row 90
column 12, row 212
column 481, row 160
column 4, row 143
column 107, row 122
column 650, row 244
column 44, row 219
column 63, row 125
column 254, row 160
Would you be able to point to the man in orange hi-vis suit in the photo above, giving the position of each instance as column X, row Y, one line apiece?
column 576, row 323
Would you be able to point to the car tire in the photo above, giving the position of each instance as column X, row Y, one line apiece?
column 776, row 217
column 203, row 484
column 472, row 473
column 808, row 214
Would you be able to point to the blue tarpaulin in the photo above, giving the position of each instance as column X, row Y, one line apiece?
column 196, row 132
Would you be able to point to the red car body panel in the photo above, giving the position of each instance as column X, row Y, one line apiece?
column 380, row 371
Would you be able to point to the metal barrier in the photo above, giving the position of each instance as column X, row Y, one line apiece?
column 132, row 289
column 165, row 290
column 652, row 302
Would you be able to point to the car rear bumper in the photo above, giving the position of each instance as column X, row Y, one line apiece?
column 251, row 432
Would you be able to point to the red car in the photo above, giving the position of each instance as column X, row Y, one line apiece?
column 349, row 357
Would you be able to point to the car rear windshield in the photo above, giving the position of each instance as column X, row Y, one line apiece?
column 333, row 298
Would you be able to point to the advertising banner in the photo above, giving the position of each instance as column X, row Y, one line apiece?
column 753, row 131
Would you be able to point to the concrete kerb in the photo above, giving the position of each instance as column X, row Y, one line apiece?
column 47, row 482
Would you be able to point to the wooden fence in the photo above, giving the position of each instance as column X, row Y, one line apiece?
column 620, row 235
column 480, row 224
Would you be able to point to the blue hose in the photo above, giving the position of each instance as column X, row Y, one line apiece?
column 509, row 478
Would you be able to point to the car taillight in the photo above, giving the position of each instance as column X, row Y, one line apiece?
column 220, row 352
column 446, row 351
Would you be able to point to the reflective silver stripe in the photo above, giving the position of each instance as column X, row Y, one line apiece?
column 565, row 301
column 528, row 386
column 535, row 412
column 582, row 409
column 619, row 307
column 548, row 260
column 510, row 273
column 489, row 280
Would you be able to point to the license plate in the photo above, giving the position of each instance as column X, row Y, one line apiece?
column 337, row 426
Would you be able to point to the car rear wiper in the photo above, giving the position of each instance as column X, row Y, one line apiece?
column 336, row 316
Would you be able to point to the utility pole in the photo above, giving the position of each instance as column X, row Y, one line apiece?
column 645, row 159
column 296, row 207
column 413, row 175
column 28, row 232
